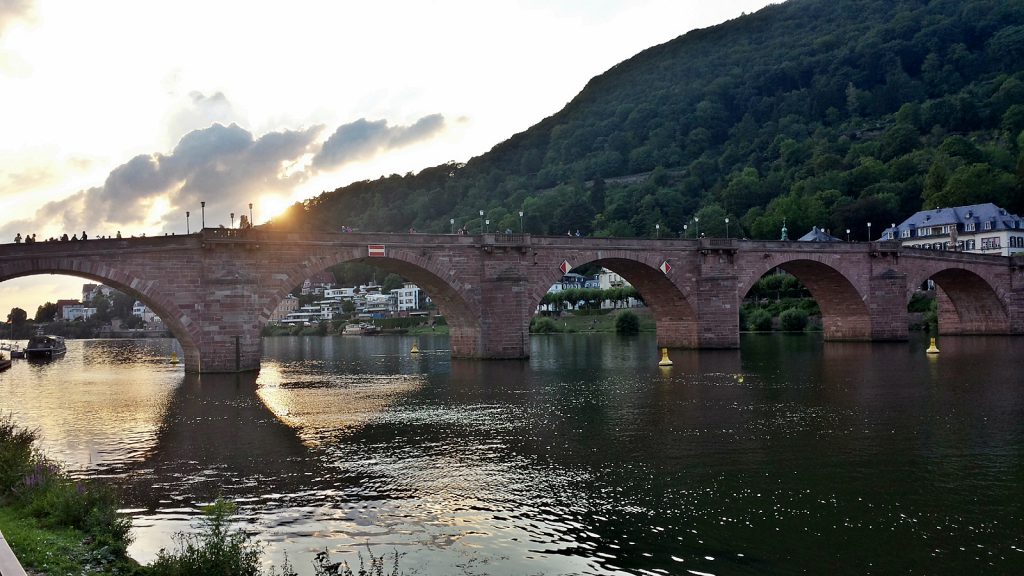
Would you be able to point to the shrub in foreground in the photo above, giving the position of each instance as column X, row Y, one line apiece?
column 627, row 322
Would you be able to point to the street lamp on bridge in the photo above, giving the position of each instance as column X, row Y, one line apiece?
column 696, row 222
column 250, row 215
column 452, row 222
column 481, row 220
column 202, row 205
column 869, row 231
column 726, row 227
column 520, row 221
column 187, row 230
column 657, row 230
column 847, row 234
column 684, row 231
column 232, row 219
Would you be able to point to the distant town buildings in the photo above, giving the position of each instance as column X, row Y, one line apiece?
column 365, row 302
column 979, row 228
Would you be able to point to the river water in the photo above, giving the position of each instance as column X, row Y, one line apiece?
column 787, row 456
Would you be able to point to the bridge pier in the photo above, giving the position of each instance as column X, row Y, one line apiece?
column 887, row 306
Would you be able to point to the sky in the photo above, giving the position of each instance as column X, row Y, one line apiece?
column 123, row 115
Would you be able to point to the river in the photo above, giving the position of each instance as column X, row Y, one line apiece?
column 790, row 455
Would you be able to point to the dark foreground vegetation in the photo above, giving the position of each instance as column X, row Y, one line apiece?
column 60, row 526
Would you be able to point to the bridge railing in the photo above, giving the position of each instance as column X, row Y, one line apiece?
column 502, row 238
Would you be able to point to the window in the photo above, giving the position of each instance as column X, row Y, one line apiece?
column 987, row 226
column 970, row 244
column 922, row 231
column 969, row 227
column 905, row 234
column 990, row 243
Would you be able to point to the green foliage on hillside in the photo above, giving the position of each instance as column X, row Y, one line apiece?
column 829, row 113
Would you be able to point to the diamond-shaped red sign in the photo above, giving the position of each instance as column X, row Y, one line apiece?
column 665, row 267
column 565, row 267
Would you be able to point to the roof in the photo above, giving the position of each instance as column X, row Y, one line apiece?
column 818, row 235
column 977, row 213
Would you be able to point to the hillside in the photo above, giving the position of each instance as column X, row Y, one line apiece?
column 829, row 113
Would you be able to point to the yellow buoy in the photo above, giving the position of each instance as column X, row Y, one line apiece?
column 664, row 358
column 174, row 357
column 415, row 348
column 932, row 348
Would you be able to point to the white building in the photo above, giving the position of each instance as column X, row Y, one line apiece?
column 408, row 297
column 73, row 312
column 980, row 228
column 142, row 311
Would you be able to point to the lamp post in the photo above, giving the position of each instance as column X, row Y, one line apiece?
column 481, row 220
column 726, row 227
column 232, row 219
column 696, row 223
column 452, row 221
column 869, row 231
column 520, row 221
column 684, row 230
column 657, row 230
column 250, row 215
column 203, row 206
column 486, row 224
column 847, row 234
column 187, row 230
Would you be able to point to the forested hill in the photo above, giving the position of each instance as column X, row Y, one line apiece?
column 828, row 113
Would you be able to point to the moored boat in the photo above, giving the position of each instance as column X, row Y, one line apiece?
column 45, row 346
column 361, row 329
column 5, row 363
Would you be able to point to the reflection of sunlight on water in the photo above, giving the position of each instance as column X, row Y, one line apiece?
column 100, row 405
column 331, row 407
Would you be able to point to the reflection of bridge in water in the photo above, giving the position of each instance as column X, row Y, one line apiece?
column 216, row 289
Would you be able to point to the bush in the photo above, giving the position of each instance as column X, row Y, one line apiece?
column 759, row 321
column 627, row 322
column 543, row 326
column 215, row 549
column 793, row 320
column 16, row 454
column 42, row 489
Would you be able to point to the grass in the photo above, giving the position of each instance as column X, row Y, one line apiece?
column 598, row 321
column 58, row 551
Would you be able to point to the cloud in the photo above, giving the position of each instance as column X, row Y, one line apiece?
column 225, row 166
column 11, row 10
column 364, row 139
column 200, row 111
column 222, row 165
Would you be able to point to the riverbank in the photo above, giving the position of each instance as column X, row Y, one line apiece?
column 55, row 524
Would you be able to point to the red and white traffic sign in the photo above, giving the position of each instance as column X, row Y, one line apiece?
column 565, row 267
column 375, row 250
column 665, row 267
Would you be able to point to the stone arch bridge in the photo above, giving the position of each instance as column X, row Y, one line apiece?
column 216, row 289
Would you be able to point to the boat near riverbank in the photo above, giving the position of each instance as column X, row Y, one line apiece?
column 361, row 329
column 45, row 346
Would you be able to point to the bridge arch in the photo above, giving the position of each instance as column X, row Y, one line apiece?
column 181, row 327
column 435, row 277
column 967, row 302
column 675, row 318
column 844, row 313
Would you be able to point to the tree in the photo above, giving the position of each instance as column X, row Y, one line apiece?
column 392, row 281
column 17, row 317
column 46, row 313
